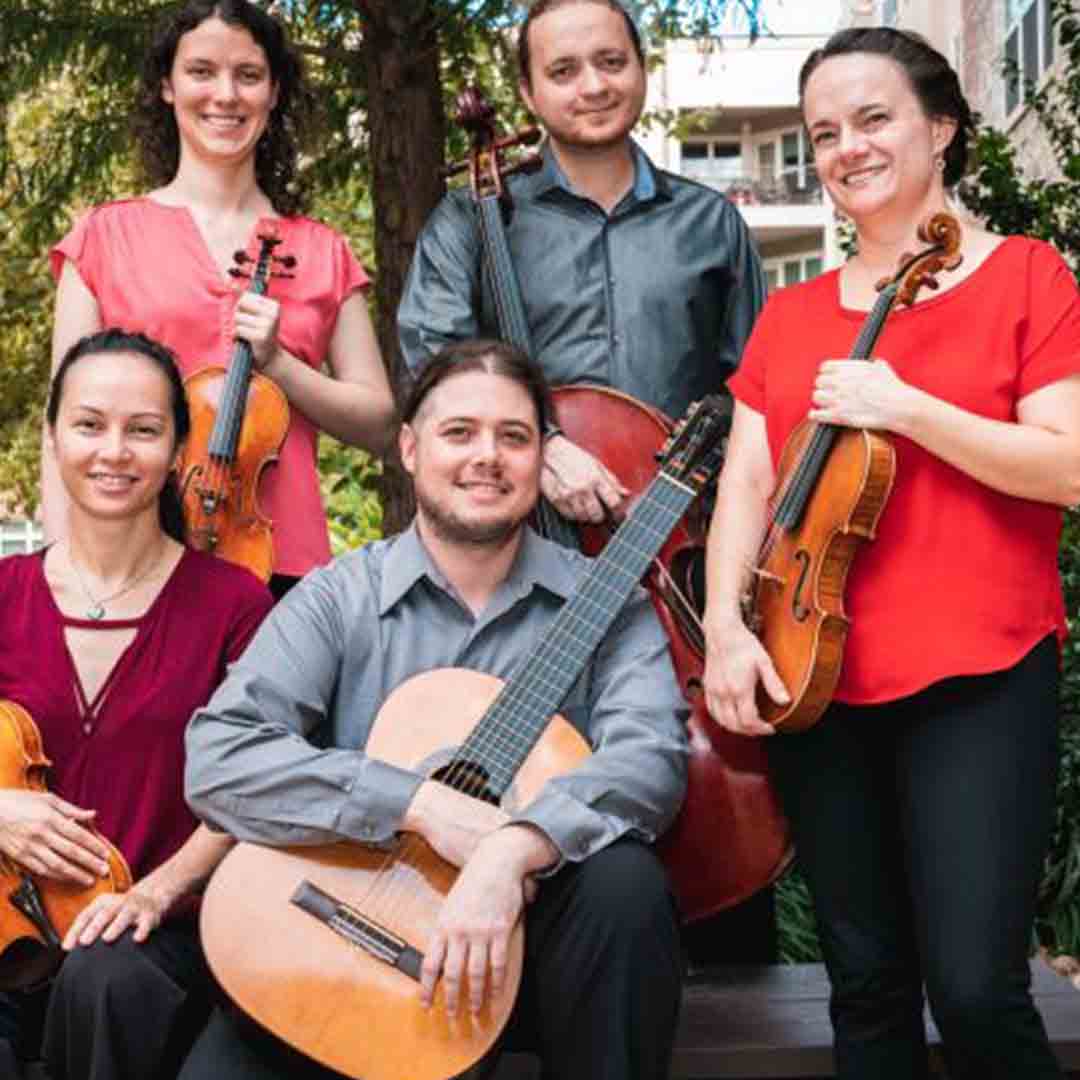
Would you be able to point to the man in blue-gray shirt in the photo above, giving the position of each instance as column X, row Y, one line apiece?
column 631, row 277
column 278, row 755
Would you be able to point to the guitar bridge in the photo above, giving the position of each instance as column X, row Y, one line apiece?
column 358, row 929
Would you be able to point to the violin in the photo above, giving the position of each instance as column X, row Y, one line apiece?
column 38, row 911
column 239, row 419
column 731, row 837
column 832, row 486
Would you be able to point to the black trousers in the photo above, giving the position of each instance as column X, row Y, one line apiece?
column 599, row 998
column 116, row 1012
column 921, row 826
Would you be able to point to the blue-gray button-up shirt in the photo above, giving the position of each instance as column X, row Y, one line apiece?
column 277, row 756
column 655, row 299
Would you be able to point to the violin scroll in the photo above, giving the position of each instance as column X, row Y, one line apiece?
column 944, row 233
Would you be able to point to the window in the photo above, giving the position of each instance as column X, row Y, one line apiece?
column 19, row 537
column 791, row 269
column 712, row 160
column 888, row 12
column 1029, row 47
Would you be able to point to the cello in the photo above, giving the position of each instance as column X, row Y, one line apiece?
column 832, row 486
column 239, row 419
column 38, row 911
column 731, row 837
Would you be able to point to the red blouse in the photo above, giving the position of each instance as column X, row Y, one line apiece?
column 150, row 270
column 123, row 753
column 961, row 579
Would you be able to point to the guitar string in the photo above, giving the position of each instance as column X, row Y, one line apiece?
column 496, row 742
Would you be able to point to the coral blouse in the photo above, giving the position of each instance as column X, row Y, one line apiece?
column 961, row 579
column 150, row 270
column 122, row 754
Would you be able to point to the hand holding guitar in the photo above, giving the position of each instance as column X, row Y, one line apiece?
column 472, row 934
column 49, row 836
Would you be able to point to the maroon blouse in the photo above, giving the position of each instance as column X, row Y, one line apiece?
column 123, row 753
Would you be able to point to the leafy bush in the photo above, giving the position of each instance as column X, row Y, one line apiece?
column 349, row 485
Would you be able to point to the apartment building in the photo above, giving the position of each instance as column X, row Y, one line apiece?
column 738, row 126
column 735, row 107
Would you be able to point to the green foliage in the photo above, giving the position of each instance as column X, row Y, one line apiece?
column 349, row 479
column 797, row 939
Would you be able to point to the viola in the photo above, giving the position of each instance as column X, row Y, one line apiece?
column 348, row 921
column 832, row 486
column 239, row 419
column 731, row 837
column 38, row 911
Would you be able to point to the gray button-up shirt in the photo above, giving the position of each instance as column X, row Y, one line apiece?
column 655, row 299
column 277, row 755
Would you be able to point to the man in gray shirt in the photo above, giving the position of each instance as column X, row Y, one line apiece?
column 277, row 756
column 631, row 277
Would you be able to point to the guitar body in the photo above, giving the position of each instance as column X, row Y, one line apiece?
column 235, row 528
column 31, row 928
column 304, row 982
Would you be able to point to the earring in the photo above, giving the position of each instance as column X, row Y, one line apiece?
column 939, row 162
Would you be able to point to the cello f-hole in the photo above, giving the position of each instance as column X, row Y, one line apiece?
column 798, row 609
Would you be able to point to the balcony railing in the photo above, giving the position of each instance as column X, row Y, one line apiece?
column 784, row 190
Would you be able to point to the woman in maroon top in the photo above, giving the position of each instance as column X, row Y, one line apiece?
column 112, row 637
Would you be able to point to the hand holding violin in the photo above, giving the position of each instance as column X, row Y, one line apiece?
column 49, row 837
column 858, row 394
column 735, row 663
column 256, row 321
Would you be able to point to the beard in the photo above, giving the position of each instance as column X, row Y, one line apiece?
column 451, row 528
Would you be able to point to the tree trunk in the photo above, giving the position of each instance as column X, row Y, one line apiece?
column 400, row 55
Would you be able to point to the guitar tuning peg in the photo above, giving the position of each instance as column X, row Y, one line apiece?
column 242, row 257
column 236, row 272
column 288, row 261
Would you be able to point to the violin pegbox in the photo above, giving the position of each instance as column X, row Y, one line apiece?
column 265, row 263
column 694, row 451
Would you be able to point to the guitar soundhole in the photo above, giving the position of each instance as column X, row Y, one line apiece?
column 467, row 777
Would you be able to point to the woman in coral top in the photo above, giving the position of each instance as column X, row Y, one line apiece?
column 113, row 636
column 922, row 801
column 222, row 109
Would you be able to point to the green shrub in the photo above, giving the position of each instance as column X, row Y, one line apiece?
column 353, row 509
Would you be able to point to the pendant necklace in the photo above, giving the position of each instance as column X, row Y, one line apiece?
column 96, row 609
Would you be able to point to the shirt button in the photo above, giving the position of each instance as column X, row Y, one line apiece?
column 87, row 728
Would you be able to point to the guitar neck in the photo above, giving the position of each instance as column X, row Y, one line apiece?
column 510, row 728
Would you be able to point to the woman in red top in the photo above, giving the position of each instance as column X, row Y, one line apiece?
column 222, row 111
column 113, row 636
column 921, row 803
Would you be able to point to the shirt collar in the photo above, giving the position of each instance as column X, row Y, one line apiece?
column 649, row 182
column 538, row 562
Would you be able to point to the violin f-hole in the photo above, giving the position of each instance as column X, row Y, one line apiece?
column 798, row 609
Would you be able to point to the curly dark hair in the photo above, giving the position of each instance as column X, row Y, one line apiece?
column 931, row 78
column 292, row 122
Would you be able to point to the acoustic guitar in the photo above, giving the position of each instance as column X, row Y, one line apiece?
column 322, row 946
column 36, row 912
